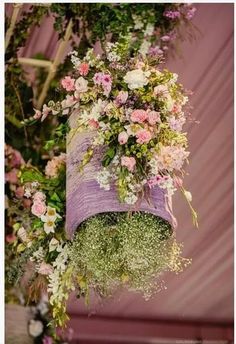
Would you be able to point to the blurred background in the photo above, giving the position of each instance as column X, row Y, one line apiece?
column 197, row 305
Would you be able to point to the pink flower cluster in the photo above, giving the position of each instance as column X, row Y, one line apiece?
column 68, row 83
column 172, row 14
column 52, row 167
column 143, row 136
column 39, row 206
column 128, row 162
column 140, row 116
column 105, row 80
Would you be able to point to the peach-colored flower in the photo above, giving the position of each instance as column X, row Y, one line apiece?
column 128, row 162
column 139, row 116
column 153, row 117
column 19, row 192
column 45, row 269
column 68, row 83
column 123, row 138
column 52, row 167
column 143, row 136
column 38, row 208
column 83, row 68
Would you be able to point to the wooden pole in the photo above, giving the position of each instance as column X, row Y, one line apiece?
column 55, row 63
column 35, row 62
column 16, row 10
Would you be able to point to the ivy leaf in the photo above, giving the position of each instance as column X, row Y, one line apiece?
column 109, row 155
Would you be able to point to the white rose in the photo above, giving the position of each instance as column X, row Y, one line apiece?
column 81, row 85
column 135, row 79
column 35, row 328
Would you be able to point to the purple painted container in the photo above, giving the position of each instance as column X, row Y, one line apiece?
column 85, row 198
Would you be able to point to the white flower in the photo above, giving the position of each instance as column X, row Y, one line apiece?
column 131, row 198
column 35, row 328
column 53, row 244
column 149, row 29
column 27, row 192
column 38, row 255
column 135, row 79
column 103, row 179
column 51, row 215
column 81, row 85
column 49, row 227
column 144, row 48
column 138, row 24
column 188, row 195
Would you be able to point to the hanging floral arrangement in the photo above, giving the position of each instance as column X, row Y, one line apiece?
column 99, row 217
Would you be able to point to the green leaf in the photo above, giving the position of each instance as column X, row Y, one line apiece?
column 32, row 175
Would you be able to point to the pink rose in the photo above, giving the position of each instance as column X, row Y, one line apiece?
column 45, row 269
column 139, row 116
column 38, row 208
column 128, row 162
column 83, row 68
column 121, row 98
column 11, row 177
column 153, row 117
column 39, row 196
column 68, row 83
column 143, row 136
column 123, row 138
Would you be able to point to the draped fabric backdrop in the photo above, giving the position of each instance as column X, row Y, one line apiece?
column 199, row 302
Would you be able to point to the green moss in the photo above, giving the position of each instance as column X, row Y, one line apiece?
column 116, row 249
